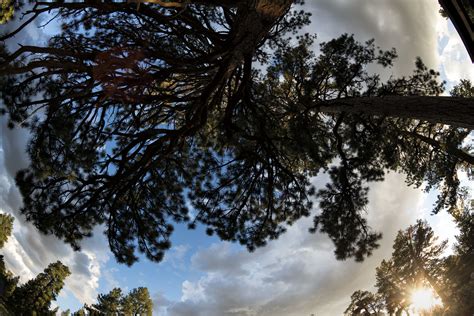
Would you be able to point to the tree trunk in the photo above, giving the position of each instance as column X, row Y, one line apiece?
column 457, row 112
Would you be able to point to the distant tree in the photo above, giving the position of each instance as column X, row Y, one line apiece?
column 6, row 227
column 8, row 281
column 80, row 312
column 111, row 303
column 6, row 10
column 147, row 112
column 464, row 89
column 417, row 257
column 365, row 303
column 35, row 296
column 66, row 313
column 137, row 302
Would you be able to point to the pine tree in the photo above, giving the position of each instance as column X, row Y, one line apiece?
column 6, row 10
column 365, row 303
column 36, row 295
column 137, row 302
column 6, row 227
column 110, row 304
column 459, row 267
column 142, row 123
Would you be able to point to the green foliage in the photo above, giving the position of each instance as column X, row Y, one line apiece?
column 6, row 227
column 36, row 295
column 8, row 282
column 136, row 302
column 109, row 304
column 142, row 126
column 6, row 10
column 464, row 89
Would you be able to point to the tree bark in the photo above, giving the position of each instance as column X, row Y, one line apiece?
column 457, row 112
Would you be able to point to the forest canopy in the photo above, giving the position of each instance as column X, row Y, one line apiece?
column 141, row 114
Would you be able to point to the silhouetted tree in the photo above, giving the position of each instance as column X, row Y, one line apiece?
column 391, row 288
column 459, row 267
column 417, row 261
column 138, row 111
column 365, row 303
column 417, row 257
column 35, row 296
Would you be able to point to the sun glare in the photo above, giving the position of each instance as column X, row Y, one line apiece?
column 424, row 299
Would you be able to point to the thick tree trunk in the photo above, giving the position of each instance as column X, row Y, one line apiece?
column 458, row 112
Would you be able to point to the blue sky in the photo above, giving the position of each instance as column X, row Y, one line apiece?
column 295, row 275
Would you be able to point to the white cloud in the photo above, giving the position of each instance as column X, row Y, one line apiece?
column 297, row 274
column 409, row 26
column 176, row 256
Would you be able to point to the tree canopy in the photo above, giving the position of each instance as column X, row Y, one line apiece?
column 140, row 113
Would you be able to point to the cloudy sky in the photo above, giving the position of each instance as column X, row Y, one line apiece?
column 295, row 275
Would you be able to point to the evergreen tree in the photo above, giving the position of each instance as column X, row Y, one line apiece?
column 148, row 111
column 111, row 303
column 365, row 303
column 417, row 262
column 36, row 295
column 459, row 267
column 8, row 282
column 6, row 227
column 137, row 302
column 6, row 10
column 417, row 257
column 392, row 288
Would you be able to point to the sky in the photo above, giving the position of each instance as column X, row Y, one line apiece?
column 294, row 275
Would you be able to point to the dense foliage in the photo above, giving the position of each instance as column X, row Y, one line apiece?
column 140, row 115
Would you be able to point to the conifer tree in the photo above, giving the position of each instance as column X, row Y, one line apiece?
column 148, row 113
column 36, row 295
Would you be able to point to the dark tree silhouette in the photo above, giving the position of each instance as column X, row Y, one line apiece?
column 459, row 267
column 136, row 111
column 365, row 303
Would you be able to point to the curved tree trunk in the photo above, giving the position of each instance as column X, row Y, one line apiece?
column 458, row 112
